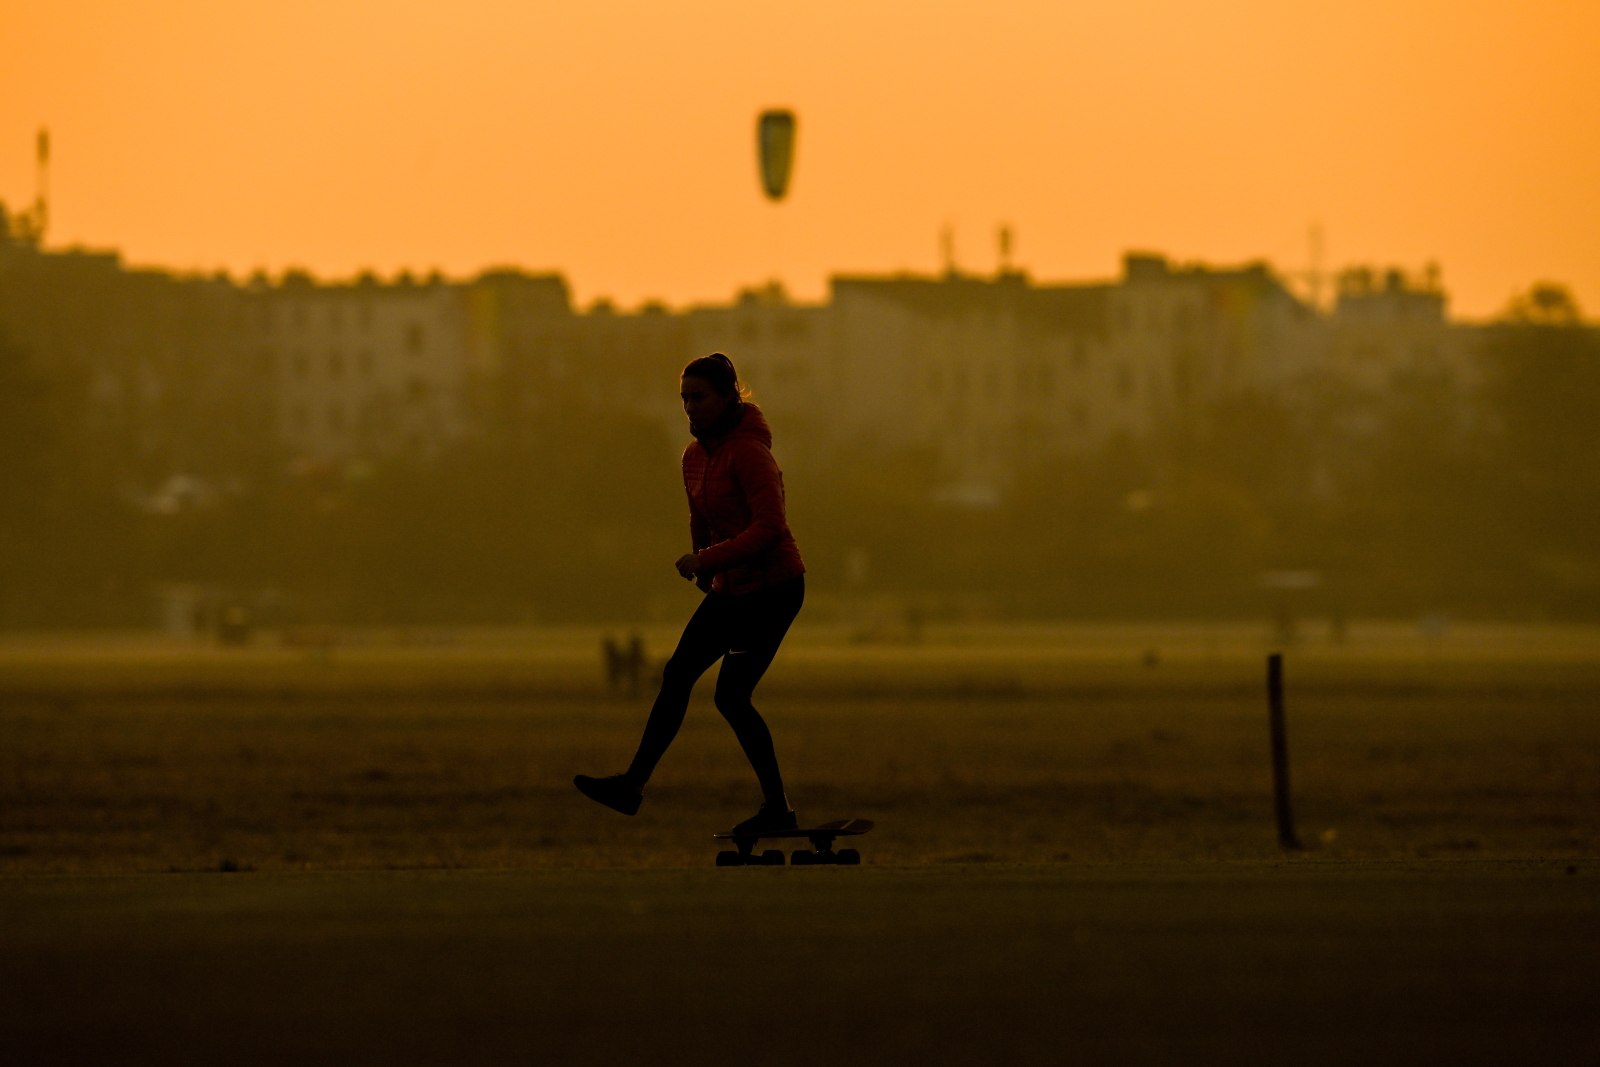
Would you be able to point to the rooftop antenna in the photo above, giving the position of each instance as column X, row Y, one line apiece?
column 41, row 203
column 947, row 248
column 1004, row 239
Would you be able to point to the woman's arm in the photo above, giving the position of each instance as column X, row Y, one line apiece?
column 699, row 528
column 699, row 537
column 762, row 482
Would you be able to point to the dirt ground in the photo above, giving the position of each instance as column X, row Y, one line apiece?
column 1307, row 962
column 1014, row 747
column 371, row 852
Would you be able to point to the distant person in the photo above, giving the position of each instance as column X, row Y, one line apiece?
column 638, row 662
column 625, row 663
column 747, row 564
column 612, row 656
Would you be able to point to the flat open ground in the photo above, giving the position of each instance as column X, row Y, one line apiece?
column 1074, row 859
column 1426, row 962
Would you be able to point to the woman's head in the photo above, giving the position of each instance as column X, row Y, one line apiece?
column 710, row 385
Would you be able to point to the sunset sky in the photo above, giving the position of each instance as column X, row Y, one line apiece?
column 613, row 140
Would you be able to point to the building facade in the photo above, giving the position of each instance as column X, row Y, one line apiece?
column 984, row 374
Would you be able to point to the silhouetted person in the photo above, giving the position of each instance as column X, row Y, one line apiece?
column 637, row 662
column 625, row 664
column 746, row 562
column 612, row 656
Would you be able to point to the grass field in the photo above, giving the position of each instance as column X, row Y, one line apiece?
column 1074, row 857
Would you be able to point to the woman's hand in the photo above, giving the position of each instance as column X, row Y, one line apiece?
column 689, row 565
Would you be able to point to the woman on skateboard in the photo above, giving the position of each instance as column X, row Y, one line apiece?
column 747, row 564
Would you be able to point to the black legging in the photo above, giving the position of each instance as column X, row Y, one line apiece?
column 744, row 632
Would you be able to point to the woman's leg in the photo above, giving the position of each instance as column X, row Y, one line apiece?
column 760, row 627
column 704, row 639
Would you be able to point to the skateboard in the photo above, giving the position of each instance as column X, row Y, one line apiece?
column 821, row 850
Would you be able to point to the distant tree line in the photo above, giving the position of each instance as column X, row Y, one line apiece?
column 1484, row 505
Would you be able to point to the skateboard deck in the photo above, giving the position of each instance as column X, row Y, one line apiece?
column 842, row 828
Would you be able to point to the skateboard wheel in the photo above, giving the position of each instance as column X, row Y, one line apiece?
column 849, row 857
column 826, row 856
column 801, row 857
column 772, row 857
column 729, row 859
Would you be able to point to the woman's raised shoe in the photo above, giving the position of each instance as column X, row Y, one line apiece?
column 615, row 792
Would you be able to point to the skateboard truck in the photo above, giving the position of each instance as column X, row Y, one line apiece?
column 820, row 838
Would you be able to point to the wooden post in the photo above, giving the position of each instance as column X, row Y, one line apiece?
column 1280, row 753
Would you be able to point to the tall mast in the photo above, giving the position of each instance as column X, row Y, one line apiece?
column 41, row 202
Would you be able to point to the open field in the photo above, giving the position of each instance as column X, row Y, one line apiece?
column 978, row 745
column 1422, row 962
column 1074, row 859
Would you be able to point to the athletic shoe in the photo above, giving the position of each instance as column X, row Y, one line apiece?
column 770, row 817
column 614, row 792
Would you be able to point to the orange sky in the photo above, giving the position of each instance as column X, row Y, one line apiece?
column 613, row 140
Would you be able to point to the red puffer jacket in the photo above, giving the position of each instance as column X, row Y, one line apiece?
column 736, row 516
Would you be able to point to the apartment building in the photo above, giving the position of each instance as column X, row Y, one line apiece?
column 363, row 369
column 983, row 373
column 989, row 373
column 152, row 370
column 1389, row 328
column 785, row 355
